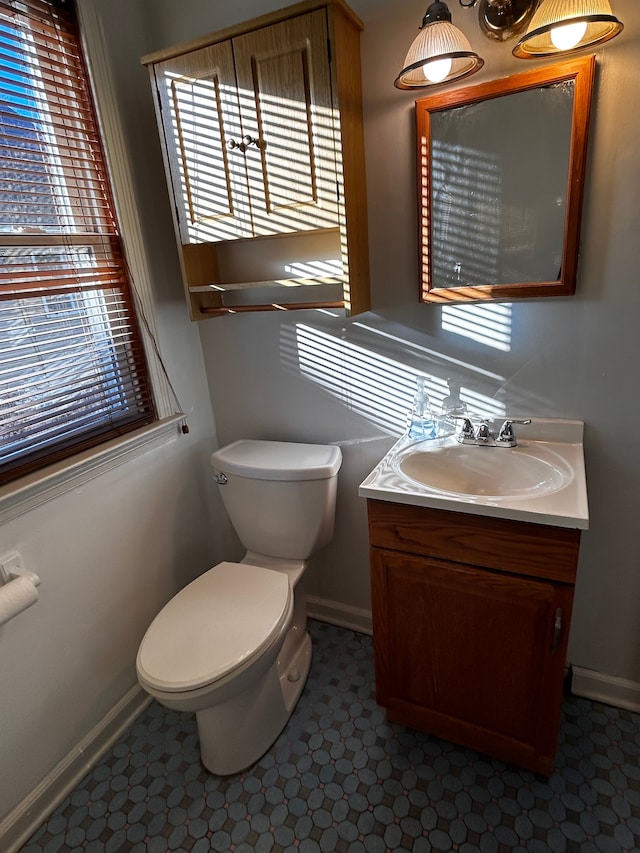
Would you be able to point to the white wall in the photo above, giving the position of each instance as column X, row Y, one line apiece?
column 315, row 376
column 111, row 552
column 572, row 357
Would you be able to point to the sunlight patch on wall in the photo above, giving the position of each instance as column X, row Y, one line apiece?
column 442, row 358
column 315, row 269
column 479, row 406
column 488, row 324
column 378, row 388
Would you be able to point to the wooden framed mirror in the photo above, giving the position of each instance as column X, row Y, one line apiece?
column 501, row 170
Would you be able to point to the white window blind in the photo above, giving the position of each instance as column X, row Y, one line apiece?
column 72, row 365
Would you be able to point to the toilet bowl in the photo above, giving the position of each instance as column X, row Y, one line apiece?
column 232, row 646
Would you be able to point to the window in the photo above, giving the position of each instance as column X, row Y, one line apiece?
column 72, row 365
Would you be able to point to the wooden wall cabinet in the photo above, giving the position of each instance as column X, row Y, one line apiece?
column 261, row 126
column 470, row 623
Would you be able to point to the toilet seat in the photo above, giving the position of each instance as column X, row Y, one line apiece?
column 214, row 627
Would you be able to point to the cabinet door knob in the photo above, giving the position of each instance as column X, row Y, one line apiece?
column 250, row 140
column 232, row 144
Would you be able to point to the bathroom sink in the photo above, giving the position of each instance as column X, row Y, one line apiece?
column 541, row 480
column 472, row 470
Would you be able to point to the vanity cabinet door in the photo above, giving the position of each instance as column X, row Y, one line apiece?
column 200, row 115
column 471, row 655
column 284, row 87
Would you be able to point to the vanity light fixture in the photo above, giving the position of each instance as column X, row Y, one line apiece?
column 559, row 26
column 502, row 19
column 440, row 52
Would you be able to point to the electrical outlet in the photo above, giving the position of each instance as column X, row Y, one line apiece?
column 8, row 564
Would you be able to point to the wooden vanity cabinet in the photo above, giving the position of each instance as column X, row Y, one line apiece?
column 470, row 625
column 261, row 126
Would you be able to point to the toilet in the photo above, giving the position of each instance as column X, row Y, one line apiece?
column 233, row 645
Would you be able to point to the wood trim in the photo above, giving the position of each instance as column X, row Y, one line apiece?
column 75, row 239
column 273, row 306
column 347, row 83
column 252, row 24
column 582, row 71
column 517, row 547
column 281, row 285
column 380, row 625
column 516, row 83
column 200, row 264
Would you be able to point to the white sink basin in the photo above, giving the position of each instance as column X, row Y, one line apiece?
column 470, row 470
column 542, row 480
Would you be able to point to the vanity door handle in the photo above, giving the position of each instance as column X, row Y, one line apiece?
column 557, row 631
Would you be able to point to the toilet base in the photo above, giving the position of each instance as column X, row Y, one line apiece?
column 235, row 733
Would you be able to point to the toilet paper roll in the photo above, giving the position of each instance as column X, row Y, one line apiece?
column 15, row 597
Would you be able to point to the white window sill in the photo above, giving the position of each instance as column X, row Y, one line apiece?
column 35, row 489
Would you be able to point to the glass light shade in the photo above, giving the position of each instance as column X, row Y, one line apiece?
column 435, row 42
column 545, row 31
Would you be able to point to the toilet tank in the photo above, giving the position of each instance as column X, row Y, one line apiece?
column 280, row 495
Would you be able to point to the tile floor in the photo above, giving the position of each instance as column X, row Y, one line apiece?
column 340, row 778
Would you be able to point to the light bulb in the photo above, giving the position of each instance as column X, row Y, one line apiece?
column 568, row 35
column 437, row 71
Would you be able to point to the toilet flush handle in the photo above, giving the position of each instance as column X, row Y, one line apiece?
column 221, row 479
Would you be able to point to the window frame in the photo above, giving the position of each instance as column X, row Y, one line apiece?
column 31, row 490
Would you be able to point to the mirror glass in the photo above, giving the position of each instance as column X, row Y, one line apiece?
column 501, row 170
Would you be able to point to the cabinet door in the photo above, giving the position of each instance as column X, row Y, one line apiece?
column 284, row 88
column 200, row 118
column 471, row 655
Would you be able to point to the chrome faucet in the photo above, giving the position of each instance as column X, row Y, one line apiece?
column 483, row 436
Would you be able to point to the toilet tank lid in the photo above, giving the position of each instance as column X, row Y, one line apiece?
column 278, row 460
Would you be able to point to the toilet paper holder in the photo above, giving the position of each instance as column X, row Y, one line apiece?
column 11, row 569
column 14, row 574
column 18, row 589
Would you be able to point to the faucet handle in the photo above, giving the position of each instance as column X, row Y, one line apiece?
column 467, row 432
column 506, row 436
column 483, row 433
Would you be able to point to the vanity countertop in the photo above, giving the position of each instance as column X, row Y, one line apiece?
column 469, row 478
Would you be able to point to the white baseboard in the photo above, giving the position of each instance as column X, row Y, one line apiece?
column 619, row 692
column 20, row 824
column 354, row 618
